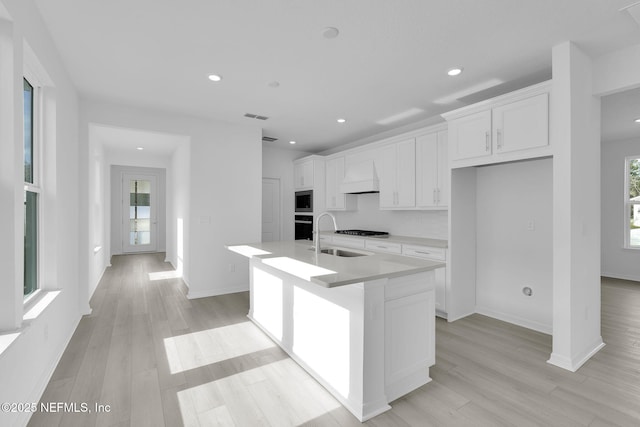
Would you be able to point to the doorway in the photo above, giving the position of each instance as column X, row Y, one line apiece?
column 138, row 209
column 139, row 215
column 271, row 209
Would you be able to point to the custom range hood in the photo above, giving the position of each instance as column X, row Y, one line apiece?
column 360, row 178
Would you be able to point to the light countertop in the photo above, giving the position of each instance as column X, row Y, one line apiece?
column 299, row 258
column 421, row 241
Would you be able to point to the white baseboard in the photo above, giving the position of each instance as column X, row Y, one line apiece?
column 509, row 318
column 216, row 292
column 574, row 363
column 620, row 276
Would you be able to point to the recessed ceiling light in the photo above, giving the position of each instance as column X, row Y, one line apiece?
column 330, row 33
column 292, row 142
column 341, row 120
column 637, row 120
column 215, row 77
column 454, row 71
column 139, row 148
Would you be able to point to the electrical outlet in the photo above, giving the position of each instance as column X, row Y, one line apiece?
column 232, row 268
column 531, row 225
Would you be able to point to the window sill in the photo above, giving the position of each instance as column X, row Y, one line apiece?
column 38, row 303
column 35, row 304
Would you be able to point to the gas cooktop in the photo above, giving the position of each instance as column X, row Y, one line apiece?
column 363, row 233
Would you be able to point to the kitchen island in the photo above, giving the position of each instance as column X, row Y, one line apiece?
column 361, row 323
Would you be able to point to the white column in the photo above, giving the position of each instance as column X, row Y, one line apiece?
column 575, row 135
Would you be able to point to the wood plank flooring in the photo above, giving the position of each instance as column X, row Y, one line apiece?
column 158, row 359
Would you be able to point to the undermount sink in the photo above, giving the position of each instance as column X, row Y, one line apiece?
column 343, row 252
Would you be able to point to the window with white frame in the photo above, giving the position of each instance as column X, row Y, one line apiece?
column 32, row 186
column 632, row 202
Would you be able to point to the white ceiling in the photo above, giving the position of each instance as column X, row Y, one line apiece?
column 126, row 141
column 389, row 58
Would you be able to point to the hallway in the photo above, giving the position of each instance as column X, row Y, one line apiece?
column 157, row 358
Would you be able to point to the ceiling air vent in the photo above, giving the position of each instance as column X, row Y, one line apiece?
column 269, row 139
column 255, row 116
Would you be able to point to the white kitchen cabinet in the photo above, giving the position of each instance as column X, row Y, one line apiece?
column 348, row 242
column 470, row 136
column 380, row 245
column 507, row 128
column 335, row 200
column 522, row 124
column 303, row 174
column 433, row 254
column 408, row 348
column 398, row 175
column 432, row 171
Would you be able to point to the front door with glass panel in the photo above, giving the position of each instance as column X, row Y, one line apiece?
column 139, row 225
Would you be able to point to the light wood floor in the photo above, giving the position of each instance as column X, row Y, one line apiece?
column 158, row 358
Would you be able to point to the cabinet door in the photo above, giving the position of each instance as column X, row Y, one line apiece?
column 470, row 136
column 387, row 176
column 398, row 175
column 409, row 335
column 303, row 174
column 335, row 175
column 522, row 124
column 444, row 172
column 406, row 173
column 427, row 170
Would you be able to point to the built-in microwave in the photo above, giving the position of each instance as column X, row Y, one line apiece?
column 304, row 201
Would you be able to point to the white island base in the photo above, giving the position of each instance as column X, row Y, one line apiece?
column 367, row 343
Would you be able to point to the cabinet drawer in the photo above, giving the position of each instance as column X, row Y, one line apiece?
column 350, row 243
column 438, row 254
column 382, row 246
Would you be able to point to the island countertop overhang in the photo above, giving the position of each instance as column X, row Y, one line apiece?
column 298, row 258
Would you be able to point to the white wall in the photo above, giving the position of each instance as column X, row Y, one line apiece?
column 27, row 364
column 616, row 261
column 514, row 242
column 278, row 163
column 224, row 190
column 368, row 216
column 178, row 179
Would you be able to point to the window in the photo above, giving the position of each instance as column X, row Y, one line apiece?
column 632, row 203
column 31, row 190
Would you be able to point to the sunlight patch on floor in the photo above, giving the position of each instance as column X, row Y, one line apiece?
column 280, row 393
column 162, row 275
column 197, row 349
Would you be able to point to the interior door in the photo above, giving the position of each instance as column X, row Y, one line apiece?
column 270, row 209
column 139, row 213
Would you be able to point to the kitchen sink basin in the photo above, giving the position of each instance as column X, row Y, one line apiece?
column 343, row 252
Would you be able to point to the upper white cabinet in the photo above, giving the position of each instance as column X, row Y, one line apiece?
column 471, row 136
column 335, row 200
column 511, row 127
column 432, row 171
column 303, row 174
column 522, row 124
column 398, row 175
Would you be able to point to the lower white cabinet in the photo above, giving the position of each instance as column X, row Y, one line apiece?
column 348, row 242
column 382, row 246
column 408, row 349
column 434, row 254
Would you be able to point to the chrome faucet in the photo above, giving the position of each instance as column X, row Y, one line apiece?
column 317, row 228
